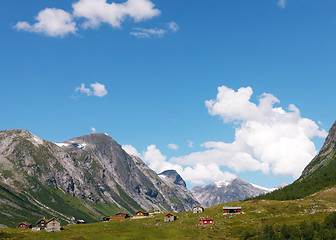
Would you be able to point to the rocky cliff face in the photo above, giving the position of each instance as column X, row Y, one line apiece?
column 326, row 153
column 226, row 191
column 87, row 177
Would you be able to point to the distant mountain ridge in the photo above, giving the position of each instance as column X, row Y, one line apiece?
column 226, row 191
column 85, row 177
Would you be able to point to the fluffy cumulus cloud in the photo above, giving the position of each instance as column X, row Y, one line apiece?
column 197, row 174
column 190, row 144
column 267, row 138
column 52, row 22
column 92, row 13
column 96, row 12
column 97, row 89
column 172, row 146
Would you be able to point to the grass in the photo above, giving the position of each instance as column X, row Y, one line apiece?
column 257, row 215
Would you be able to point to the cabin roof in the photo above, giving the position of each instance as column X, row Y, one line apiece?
column 53, row 218
column 231, row 208
column 25, row 223
column 206, row 219
column 140, row 211
column 41, row 220
column 169, row 214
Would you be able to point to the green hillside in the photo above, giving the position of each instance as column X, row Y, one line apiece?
column 258, row 216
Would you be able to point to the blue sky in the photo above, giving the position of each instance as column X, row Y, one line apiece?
column 159, row 62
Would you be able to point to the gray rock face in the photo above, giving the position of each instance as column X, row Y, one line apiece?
column 226, row 191
column 327, row 151
column 93, row 168
column 173, row 176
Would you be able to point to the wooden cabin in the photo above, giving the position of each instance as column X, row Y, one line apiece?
column 229, row 210
column 53, row 225
column 141, row 214
column 206, row 221
column 198, row 209
column 41, row 224
column 24, row 225
column 121, row 215
column 80, row 221
column 169, row 218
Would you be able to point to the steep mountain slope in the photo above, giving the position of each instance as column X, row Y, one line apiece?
column 86, row 177
column 319, row 174
column 226, row 191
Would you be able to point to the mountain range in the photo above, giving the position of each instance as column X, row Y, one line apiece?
column 87, row 177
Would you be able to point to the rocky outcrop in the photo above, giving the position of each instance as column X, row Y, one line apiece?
column 226, row 191
column 326, row 153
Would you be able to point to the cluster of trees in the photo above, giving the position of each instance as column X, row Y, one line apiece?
column 305, row 231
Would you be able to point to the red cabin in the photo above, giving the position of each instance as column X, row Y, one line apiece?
column 141, row 214
column 206, row 221
column 24, row 225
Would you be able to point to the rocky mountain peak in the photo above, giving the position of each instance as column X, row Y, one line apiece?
column 174, row 177
column 330, row 141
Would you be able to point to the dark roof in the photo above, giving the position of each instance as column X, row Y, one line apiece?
column 41, row 220
column 25, row 223
column 198, row 206
column 53, row 218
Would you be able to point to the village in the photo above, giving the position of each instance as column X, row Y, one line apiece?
column 54, row 225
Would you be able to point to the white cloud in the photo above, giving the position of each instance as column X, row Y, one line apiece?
column 93, row 130
column 84, row 90
column 58, row 23
column 100, row 11
column 172, row 146
column 282, row 3
column 190, row 144
column 148, row 32
column 131, row 150
column 197, row 174
column 51, row 22
column 97, row 90
column 267, row 138
column 173, row 26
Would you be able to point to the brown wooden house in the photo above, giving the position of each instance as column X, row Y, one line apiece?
column 24, row 225
column 53, row 225
column 141, row 214
column 169, row 218
column 41, row 224
column 228, row 210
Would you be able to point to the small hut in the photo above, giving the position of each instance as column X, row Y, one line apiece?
column 198, row 209
column 206, row 221
column 41, row 224
column 169, row 218
column 229, row 210
column 141, row 214
column 24, row 225
column 53, row 225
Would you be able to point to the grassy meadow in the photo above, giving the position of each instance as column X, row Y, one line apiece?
column 256, row 215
